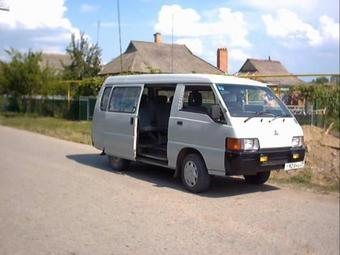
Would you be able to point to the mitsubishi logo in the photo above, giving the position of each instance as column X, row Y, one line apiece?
column 275, row 132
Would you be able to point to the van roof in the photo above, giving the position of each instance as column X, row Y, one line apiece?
column 180, row 78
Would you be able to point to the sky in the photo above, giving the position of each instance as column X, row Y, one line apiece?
column 302, row 34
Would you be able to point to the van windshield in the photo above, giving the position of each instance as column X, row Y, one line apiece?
column 252, row 101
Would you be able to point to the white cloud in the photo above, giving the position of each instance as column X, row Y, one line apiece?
column 228, row 25
column 194, row 44
column 4, row 5
column 238, row 54
column 205, row 32
column 288, row 25
column 329, row 28
column 301, row 5
column 35, row 14
column 36, row 24
column 89, row 8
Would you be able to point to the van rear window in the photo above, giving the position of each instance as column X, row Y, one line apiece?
column 124, row 99
column 105, row 98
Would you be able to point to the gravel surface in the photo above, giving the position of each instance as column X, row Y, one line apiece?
column 59, row 197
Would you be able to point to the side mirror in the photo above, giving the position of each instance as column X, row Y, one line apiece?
column 215, row 112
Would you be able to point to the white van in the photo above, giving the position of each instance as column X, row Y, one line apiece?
column 198, row 125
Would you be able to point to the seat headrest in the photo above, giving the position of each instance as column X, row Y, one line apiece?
column 195, row 98
column 161, row 99
column 230, row 97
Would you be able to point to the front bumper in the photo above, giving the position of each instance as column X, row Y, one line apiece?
column 248, row 162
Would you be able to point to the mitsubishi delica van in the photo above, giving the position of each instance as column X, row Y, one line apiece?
column 198, row 125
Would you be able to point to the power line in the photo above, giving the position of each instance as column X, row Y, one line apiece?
column 249, row 75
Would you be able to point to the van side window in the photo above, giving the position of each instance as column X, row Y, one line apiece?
column 124, row 99
column 198, row 99
column 105, row 99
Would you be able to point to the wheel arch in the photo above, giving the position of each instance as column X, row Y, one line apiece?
column 181, row 155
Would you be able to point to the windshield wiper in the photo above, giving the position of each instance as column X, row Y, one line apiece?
column 257, row 114
column 279, row 116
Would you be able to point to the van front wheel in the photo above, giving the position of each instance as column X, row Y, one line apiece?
column 195, row 177
column 118, row 164
column 258, row 178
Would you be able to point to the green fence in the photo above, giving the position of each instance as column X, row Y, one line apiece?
column 80, row 108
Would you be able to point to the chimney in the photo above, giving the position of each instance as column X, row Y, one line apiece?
column 158, row 38
column 222, row 59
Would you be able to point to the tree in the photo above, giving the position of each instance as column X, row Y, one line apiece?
column 320, row 80
column 23, row 76
column 85, row 59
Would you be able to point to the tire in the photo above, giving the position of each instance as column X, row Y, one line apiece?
column 194, row 174
column 258, row 179
column 118, row 164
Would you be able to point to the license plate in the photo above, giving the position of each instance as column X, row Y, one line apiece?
column 294, row 165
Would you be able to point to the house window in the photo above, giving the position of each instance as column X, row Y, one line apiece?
column 124, row 99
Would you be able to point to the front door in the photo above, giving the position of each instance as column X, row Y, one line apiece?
column 121, row 121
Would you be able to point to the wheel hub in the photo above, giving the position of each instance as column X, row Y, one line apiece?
column 190, row 173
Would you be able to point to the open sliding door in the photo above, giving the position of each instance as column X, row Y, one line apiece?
column 121, row 121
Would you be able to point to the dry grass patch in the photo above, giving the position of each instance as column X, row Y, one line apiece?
column 76, row 131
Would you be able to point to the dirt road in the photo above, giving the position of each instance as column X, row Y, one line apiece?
column 58, row 197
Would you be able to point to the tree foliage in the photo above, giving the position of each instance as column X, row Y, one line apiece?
column 322, row 96
column 85, row 58
column 23, row 76
column 320, row 80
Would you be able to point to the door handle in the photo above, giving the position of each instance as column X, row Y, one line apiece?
column 131, row 121
column 180, row 123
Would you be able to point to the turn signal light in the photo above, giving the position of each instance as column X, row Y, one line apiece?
column 234, row 144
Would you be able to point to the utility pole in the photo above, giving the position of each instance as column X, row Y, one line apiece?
column 98, row 27
column 172, row 44
column 120, row 38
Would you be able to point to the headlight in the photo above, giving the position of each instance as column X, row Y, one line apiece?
column 297, row 141
column 246, row 144
column 251, row 144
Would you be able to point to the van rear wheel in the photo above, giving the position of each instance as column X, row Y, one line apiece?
column 195, row 177
column 257, row 179
column 118, row 164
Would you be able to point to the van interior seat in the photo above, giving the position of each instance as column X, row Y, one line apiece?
column 154, row 116
column 232, row 102
column 195, row 102
column 146, row 115
column 162, row 111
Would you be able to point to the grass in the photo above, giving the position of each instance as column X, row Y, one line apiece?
column 76, row 131
column 80, row 131
column 304, row 179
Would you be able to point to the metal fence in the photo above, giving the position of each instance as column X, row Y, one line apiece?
column 309, row 116
column 79, row 108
